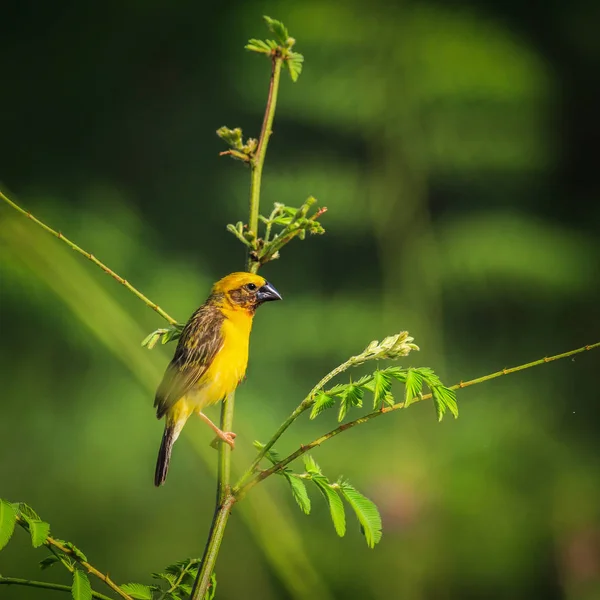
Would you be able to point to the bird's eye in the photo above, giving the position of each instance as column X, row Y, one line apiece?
column 251, row 287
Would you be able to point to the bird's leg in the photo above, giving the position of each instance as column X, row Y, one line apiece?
column 227, row 436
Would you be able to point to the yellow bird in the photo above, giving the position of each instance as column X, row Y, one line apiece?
column 210, row 360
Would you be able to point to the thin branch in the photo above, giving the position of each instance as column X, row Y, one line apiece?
column 44, row 585
column 91, row 257
column 463, row 384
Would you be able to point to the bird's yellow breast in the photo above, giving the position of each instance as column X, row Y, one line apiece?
column 229, row 365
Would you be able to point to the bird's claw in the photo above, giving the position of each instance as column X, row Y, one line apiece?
column 224, row 436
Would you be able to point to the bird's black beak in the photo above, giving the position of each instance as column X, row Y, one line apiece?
column 267, row 293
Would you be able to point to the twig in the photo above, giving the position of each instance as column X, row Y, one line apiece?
column 225, row 499
column 44, row 585
column 463, row 384
column 91, row 257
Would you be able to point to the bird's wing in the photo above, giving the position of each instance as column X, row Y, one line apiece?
column 200, row 341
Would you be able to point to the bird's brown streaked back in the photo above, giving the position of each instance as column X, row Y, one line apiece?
column 198, row 345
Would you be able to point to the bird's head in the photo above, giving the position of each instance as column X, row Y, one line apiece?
column 245, row 290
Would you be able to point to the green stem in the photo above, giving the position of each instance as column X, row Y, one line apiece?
column 45, row 585
column 224, row 475
column 225, row 499
column 211, row 551
column 463, row 384
column 261, row 152
column 303, row 406
column 91, row 257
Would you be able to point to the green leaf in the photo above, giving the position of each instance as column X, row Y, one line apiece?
column 365, row 382
column 137, row 591
column 414, row 385
column 47, row 562
column 382, row 384
column 181, row 565
column 397, row 373
column 431, row 379
column 255, row 45
column 444, row 398
column 389, row 399
column 283, row 220
column 168, row 577
column 8, row 518
column 76, row 551
column 337, row 389
column 294, row 64
column 322, row 402
column 366, row 512
column 336, row 507
column 352, row 396
column 212, row 590
column 27, row 512
column 271, row 455
column 278, row 29
column 232, row 137
column 151, row 339
column 193, row 573
column 39, row 532
column 299, row 492
column 81, row 588
column 173, row 332
column 312, row 468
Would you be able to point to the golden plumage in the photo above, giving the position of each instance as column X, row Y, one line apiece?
column 211, row 358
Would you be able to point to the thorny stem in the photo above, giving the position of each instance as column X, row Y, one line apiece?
column 463, row 384
column 45, row 585
column 225, row 498
column 91, row 257
column 304, row 405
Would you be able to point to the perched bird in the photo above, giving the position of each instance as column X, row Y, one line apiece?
column 210, row 359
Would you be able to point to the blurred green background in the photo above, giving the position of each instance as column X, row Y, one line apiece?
column 455, row 145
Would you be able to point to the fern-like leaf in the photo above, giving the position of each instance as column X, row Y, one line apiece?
column 8, row 518
column 366, row 512
column 336, row 507
column 299, row 492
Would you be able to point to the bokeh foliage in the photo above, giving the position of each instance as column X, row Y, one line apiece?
column 447, row 143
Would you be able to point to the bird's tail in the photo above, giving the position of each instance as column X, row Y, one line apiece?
column 164, row 454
